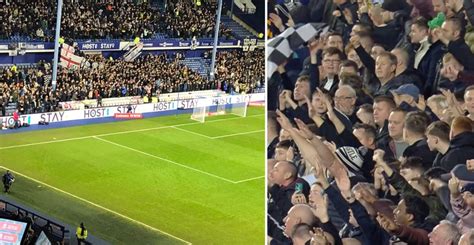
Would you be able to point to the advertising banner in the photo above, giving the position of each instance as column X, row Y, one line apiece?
column 103, row 112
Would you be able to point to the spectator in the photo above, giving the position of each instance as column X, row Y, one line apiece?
column 97, row 20
column 396, row 123
column 445, row 233
column 414, row 135
column 391, row 79
column 437, row 138
column 385, row 69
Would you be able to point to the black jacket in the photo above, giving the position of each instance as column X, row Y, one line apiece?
column 301, row 112
column 279, row 203
column 421, row 149
column 392, row 84
column 461, row 148
column 410, row 76
column 334, row 86
column 382, row 141
column 427, row 67
column 462, row 53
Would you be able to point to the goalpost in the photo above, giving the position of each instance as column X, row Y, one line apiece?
column 208, row 107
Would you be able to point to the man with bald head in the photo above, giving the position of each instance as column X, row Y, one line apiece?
column 301, row 234
column 298, row 214
column 286, row 181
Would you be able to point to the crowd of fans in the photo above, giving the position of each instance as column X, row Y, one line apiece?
column 370, row 127
column 187, row 20
column 244, row 71
column 92, row 19
column 147, row 76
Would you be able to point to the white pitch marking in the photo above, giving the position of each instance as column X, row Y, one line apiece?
column 246, row 180
column 97, row 205
column 243, row 133
column 121, row 132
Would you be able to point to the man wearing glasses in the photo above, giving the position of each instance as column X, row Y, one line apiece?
column 332, row 58
column 344, row 102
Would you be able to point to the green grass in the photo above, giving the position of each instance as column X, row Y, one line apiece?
column 195, row 187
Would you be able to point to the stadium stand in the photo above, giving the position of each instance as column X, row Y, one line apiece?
column 24, row 88
column 35, row 20
column 370, row 122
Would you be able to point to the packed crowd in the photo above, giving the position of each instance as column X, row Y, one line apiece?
column 187, row 20
column 147, row 76
column 371, row 133
column 243, row 71
column 92, row 19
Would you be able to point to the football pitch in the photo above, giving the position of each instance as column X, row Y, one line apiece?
column 162, row 180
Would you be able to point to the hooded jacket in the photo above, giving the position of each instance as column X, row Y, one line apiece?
column 461, row 149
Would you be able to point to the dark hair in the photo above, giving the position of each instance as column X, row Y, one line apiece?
column 352, row 80
column 366, row 29
column 284, row 144
column 303, row 78
column 368, row 129
column 399, row 109
column 421, row 22
column 367, row 107
column 439, row 129
column 458, row 24
column 333, row 51
column 417, row 207
column 413, row 163
column 386, row 99
column 349, row 63
column 417, row 122
column 434, row 173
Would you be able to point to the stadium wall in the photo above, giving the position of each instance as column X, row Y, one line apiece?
column 106, row 114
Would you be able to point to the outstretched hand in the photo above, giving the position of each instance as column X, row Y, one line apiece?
column 304, row 129
column 453, row 186
column 311, row 110
column 321, row 210
column 284, row 121
column 421, row 104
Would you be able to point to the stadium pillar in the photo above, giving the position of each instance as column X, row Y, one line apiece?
column 216, row 40
column 56, row 44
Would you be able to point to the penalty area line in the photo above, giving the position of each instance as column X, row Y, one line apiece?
column 98, row 206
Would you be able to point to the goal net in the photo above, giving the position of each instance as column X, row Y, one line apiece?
column 208, row 107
